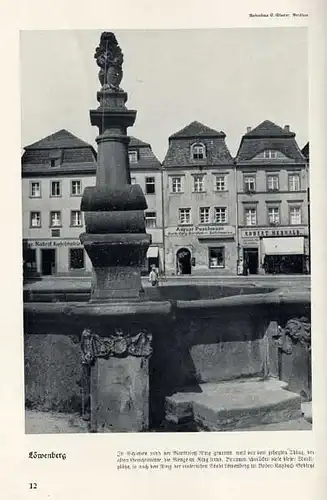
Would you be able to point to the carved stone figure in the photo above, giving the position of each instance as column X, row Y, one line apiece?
column 110, row 59
column 118, row 344
column 296, row 330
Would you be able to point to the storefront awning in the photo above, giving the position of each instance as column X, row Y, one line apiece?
column 152, row 253
column 283, row 246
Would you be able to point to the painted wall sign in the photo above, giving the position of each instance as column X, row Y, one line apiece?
column 52, row 243
column 264, row 232
column 200, row 230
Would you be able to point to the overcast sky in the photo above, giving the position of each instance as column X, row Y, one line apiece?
column 227, row 79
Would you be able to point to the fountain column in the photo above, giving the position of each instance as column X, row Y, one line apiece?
column 116, row 343
column 115, row 237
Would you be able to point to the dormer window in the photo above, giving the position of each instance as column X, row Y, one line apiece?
column 132, row 156
column 198, row 152
column 270, row 154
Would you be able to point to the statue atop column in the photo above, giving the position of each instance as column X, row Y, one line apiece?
column 110, row 59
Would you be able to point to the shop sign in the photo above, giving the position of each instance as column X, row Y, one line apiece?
column 210, row 230
column 52, row 243
column 260, row 232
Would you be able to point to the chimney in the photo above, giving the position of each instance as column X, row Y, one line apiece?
column 286, row 128
column 248, row 129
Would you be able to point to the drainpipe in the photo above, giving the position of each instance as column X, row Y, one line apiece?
column 236, row 222
column 163, row 224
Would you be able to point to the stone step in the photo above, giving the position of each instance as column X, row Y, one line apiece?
column 233, row 405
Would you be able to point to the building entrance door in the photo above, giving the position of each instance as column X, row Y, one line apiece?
column 251, row 260
column 183, row 261
column 48, row 260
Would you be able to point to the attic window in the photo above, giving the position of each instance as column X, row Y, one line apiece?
column 198, row 151
column 269, row 154
column 54, row 162
column 132, row 156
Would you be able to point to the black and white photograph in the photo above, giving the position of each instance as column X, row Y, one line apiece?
column 166, row 262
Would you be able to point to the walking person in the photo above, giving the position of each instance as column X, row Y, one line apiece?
column 153, row 276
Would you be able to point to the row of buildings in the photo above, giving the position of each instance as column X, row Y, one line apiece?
column 208, row 213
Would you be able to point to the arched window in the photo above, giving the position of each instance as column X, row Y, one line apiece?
column 198, row 151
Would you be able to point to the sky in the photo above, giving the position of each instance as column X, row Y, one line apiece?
column 228, row 79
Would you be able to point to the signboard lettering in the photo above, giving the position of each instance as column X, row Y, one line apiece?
column 246, row 233
column 201, row 230
column 53, row 243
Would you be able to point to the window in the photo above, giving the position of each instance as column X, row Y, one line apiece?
column 295, row 215
column 198, row 152
column 294, row 182
column 133, row 180
column 35, row 219
column 272, row 183
column 273, row 216
column 55, row 218
column 132, row 156
column 220, row 183
column 249, row 183
column 150, row 185
column 176, row 184
column 151, row 220
column 76, row 258
column 76, row 188
column 55, row 188
column 204, row 215
column 216, row 257
column 269, row 154
column 185, row 216
column 75, row 218
column 35, row 189
column 55, row 162
column 250, row 216
column 198, row 183
column 221, row 215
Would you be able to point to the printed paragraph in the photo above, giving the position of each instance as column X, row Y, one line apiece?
column 155, row 460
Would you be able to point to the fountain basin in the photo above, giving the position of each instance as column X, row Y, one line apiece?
column 196, row 341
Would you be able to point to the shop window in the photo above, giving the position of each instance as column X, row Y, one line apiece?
column 75, row 218
column 250, row 216
column 294, row 182
column 216, row 257
column 198, row 152
column 150, row 185
column 176, row 184
column 295, row 216
column 272, row 183
column 35, row 189
column 151, row 220
column 76, row 188
column 76, row 258
column 184, row 216
column 270, row 154
column 221, row 215
column 55, row 189
column 35, row 219
column 249, row 183
column 55, row 219
column 273, row 216
column 133, row 157
column 220, row 183
column 204, row 215
column 29, row 260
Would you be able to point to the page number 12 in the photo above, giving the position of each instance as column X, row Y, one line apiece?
column 33, row 486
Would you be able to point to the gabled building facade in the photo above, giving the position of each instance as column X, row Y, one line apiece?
column 55, row 171
column 272, row 204
column 199, row 203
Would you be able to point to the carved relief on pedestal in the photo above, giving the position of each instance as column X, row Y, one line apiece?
column 296, row 330
column 118, row 344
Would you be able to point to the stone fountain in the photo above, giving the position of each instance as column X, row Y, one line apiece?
column 188, row 358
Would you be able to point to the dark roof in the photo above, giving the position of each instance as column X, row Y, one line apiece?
column 306, row 151
column 196, row 129
column 59, row 140
column 178, row 154
column 269, row 129
column 268, row 135
column 146, row 159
